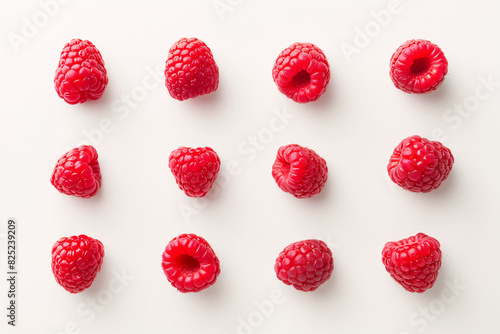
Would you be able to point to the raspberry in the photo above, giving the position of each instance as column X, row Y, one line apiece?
column 305, row 264
column 413, row 262
column 299, row 171
column 76, row 261
column 195, row 169
column 190, row 69
column 301, row 72
column 81, row 74
column 77, row 172
column 420, row 165
column 190, row 264
column 418, row 66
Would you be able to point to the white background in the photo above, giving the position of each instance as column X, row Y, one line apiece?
column 247, row 219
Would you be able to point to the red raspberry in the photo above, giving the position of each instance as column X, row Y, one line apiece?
column 413, row 262
column 76, row 261
column 190, row 69
column 299, row 171
column 420, row 165
column 81, row 74
column 418, row 66
column 301, row 72
column 190, row 264
column 195, row 169
column 77, row 172
column 305, row 264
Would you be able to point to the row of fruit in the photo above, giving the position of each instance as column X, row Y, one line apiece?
column 191, row 265
column 417, row 164
column 301, row 71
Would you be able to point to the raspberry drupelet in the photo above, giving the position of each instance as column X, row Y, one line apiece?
column 302, row 72
column 299, row 171
column 190, row 69
column 77, row 172
column 195, row 169
column 305, row 264
column 413, row 262
column 420, row 165
column 80, row 75
column 76, row 261
column 190, row 264
column 418, row 66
